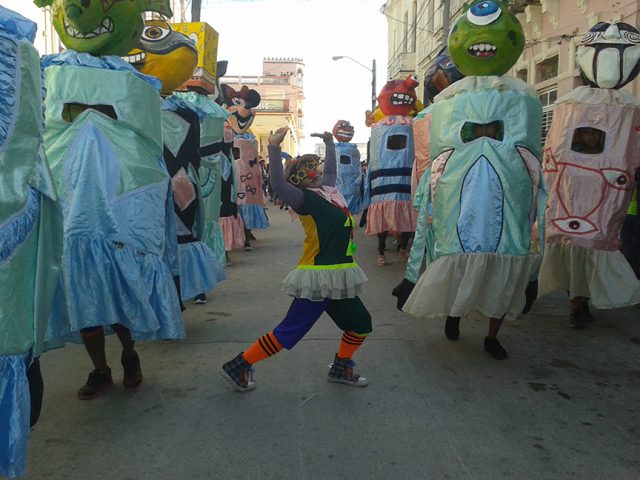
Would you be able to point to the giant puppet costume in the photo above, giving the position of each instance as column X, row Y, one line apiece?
column 387, row 192
column 441, row 73
column 484, row 186
column 30, row 239
column 251, row 199
column 591, row 157
column 204, row 93
column 103, row 137
column 239, row 105
column 172, row 57
column 349, row 181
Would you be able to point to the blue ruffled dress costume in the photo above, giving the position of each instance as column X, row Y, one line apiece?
column 349, row 179
column 200, row 269
column 29, row 262
column 484, row 196
column 119, row 236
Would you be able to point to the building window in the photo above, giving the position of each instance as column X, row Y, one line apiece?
column 405, row 41
column 547, row 69
column 548, row 100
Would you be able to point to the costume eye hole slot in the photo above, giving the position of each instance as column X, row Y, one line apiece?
column 235, row 151
column 588, row 140
column 345, row 159
column 71, row 111
column 397, row 142
column 472, row 131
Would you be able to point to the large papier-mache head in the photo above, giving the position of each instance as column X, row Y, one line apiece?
column 487, row 39
column 165, row 54
column 101, row 27
column 609, row 55
column 440, row 74
column 343, row 131
column 398, row 97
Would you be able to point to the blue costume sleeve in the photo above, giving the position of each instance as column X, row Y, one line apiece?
column 420, row 240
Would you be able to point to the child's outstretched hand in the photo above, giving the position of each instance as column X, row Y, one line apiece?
column 276, row 138
column 327, row 137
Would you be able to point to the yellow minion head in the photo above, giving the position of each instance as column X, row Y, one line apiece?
column 165, row 54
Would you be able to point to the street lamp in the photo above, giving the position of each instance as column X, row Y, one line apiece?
column 373, row 76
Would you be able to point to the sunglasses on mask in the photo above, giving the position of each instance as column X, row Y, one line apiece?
column 298, row 175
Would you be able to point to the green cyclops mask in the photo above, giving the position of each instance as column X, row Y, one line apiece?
column 101, row 27
column 487, row 39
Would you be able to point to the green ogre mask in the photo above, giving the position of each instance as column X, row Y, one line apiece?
column 487, row 39
column 101, row 27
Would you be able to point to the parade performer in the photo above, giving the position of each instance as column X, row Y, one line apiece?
column 349, row 181
column 441, row 73
column 30, row 239
column 251, row 198
column 484, row 187
column 591, row 157
column 327, row 278
column 103, row 137
column 387, row 192
column 171, row 57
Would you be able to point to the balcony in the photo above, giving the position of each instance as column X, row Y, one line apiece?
column 273, row 106
column 518, row 6
column 402, row 65
column 255, row 80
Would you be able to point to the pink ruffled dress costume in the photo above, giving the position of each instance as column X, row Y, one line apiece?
column 250, row 196
column 230, row 221
column 387, row 192
column 588, row 197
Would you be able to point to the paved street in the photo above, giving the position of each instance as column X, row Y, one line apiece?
column 565, row 405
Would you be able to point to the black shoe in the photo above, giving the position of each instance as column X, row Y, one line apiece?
column 577, row 320
column 96, row 383
column 200, row 299
column 588, row 316
column 251, row 237
column 452, row 328
column 132, row 371
column 493, row 347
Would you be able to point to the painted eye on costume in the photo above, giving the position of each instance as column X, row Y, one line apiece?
column 238, row 101
column 630, row 36
column 154, row 33
column 617, row 179
column 575, row 225
column 484, row 13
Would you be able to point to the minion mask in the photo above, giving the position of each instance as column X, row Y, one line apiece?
column 165, row 54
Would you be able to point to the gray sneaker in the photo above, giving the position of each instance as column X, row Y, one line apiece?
column 341, row 371
column 239, row 373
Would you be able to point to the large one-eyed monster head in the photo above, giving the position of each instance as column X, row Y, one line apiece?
column 101, row 27
column 487, row 39
column 609, row 55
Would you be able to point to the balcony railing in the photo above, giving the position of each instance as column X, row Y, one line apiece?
column 256, row 80
column 273, row 106
column 404, row 62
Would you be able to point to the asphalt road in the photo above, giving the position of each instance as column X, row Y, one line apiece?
column 565, row 405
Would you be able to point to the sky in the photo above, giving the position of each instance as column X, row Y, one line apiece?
column 314, row 30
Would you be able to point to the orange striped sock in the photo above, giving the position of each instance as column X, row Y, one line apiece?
column 350, row 342
column 266, row 346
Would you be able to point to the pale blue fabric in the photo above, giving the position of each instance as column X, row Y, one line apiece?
column 114, row 194
column 423, row 237
column 174, row 102
column 16, row 25
column 106, row 62
column 383, row 159
column 481, row 214
column 253, row 216
column 504, row 230
column 349, row 178
column 14, row 415
column 200, row 270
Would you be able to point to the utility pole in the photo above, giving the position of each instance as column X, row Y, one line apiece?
column 374, row 94
column 446, row 13
column 196, row 6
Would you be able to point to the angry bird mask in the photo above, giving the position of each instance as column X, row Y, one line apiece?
column 398, row 97
column 165, row 54
column 343, row 131
column 487, row 39
column 101, row 27
column 609, row 55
